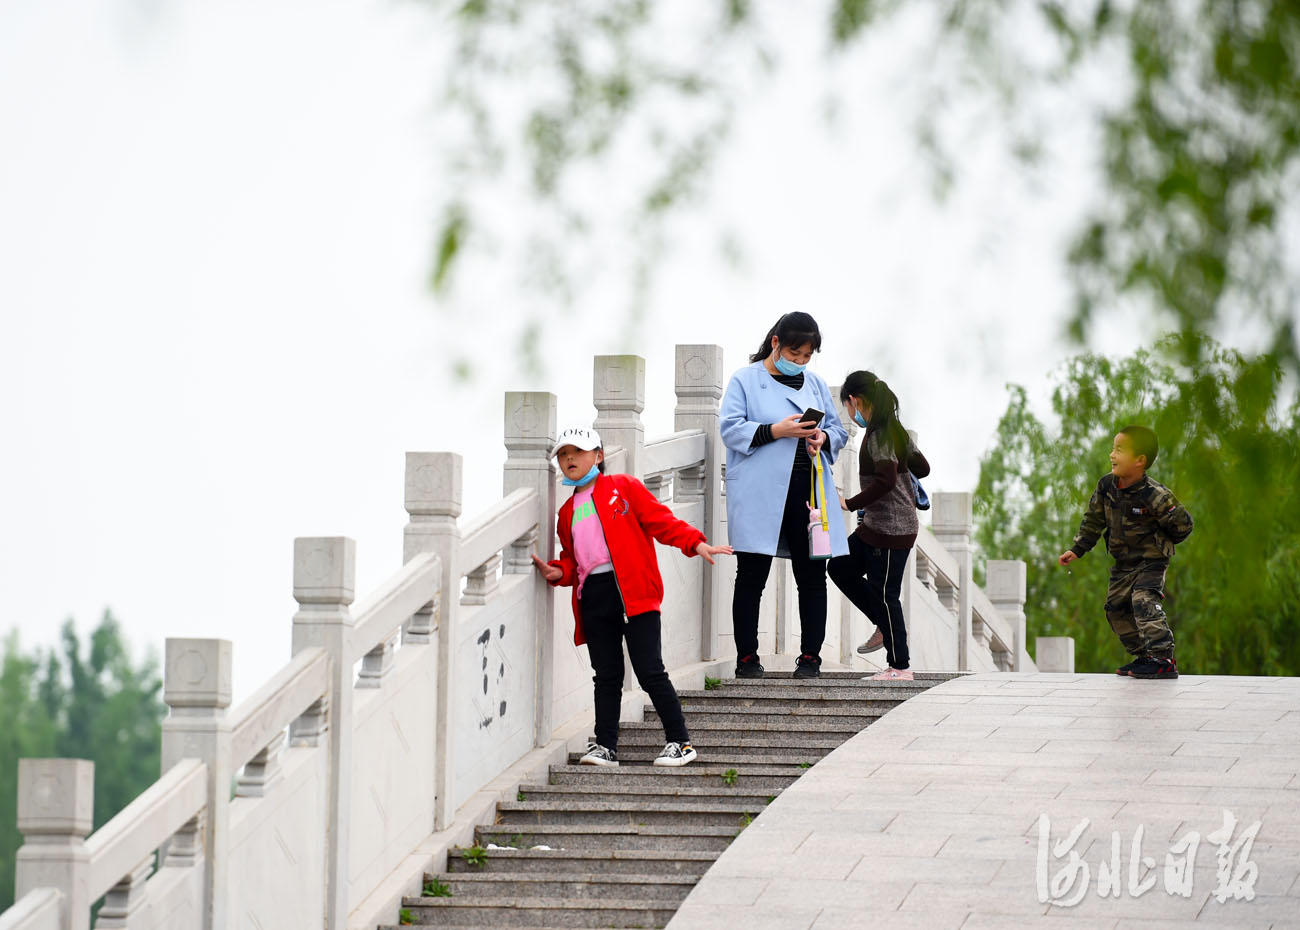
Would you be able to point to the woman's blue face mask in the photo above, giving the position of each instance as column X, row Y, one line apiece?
column 788, row 368
column 579, row 482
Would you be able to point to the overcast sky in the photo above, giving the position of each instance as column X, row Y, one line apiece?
column 215, row 226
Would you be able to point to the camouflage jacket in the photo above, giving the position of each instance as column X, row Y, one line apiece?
column 1143, row 521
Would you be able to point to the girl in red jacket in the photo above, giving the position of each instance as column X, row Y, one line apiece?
column 607, row 532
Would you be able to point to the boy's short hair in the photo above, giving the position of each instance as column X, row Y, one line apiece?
column 1144, row 442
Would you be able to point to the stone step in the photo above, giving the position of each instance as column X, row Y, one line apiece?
column 839, row 714
column 828, row 690
column 775, row 777
column 715, row 741
column 702, row 723
column 928, row 678
column 511, row 911
column 596, row 836
column 602, row 862
column 717, row 788
column 522, row 816
column 573, row 886
column 637, row 756
column 775, row 702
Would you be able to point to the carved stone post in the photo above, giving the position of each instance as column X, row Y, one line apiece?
column 324, row 583
column 433, row 499
column 1005, row 586
column 196, row 688
column 56, row 809
column 530, row 430
column 699, row 390
column 619, row 395
column 952, row 527
column 1054, row 654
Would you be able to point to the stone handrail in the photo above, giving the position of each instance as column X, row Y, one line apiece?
column 396, row 600
column 277, row 704
column 505, row 522
column 454, row 686
column 37, row 910
column 129, row 839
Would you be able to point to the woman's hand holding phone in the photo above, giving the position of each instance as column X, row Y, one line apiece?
column 795, row 426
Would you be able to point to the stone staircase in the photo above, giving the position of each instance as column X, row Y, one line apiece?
column 626, row 845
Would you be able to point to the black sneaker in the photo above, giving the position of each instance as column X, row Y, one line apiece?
column 749, row 667
column 807, row 666
column 1148, row 667
column 1125, row 669
column 599, row 755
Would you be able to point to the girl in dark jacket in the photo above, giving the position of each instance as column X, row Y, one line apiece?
column 871, row 575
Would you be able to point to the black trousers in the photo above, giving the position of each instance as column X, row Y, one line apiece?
column 872, row 579
column 604, row 626
column 809, row 577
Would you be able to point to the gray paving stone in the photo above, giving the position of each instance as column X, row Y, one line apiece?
column 835, row 918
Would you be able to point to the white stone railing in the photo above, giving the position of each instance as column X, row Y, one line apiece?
column 392, row 714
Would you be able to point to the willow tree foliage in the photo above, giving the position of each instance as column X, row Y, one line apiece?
column 1229, row 450
column 586, row 103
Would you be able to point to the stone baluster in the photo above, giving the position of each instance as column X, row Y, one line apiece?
column 619, row 395
column 1006, row 587
column 661, row 486
column 263, row 771
column 125, row 898
column 433, row 499
column 925, row 572
column 324, row 584
column 196, row 689
column 377, row 664
column 699, row 381
column 56, row 808
column 952, row 527
column 482, row 582
column 530, row 429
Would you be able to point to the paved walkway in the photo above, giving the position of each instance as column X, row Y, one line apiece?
column 929, row 819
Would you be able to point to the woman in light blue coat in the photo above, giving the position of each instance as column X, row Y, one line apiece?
column 769, row 471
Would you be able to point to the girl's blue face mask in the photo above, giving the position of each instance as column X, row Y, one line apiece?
column 788, row 368
column 579, row 482
column 857, row 418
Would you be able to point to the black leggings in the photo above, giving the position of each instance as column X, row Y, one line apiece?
column 872, row 578
column 809, row 576
column 605, row 629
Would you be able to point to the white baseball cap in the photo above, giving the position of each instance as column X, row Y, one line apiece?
column 584, row 438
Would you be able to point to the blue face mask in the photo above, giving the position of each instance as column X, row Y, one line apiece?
column 857, row 418
column 579, row 482
column 788, row 368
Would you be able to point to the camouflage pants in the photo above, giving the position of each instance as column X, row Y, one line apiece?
column 1134, row 610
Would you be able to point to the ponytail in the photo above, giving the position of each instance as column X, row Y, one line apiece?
column 793, row 330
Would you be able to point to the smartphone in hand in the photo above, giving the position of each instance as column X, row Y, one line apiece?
column 811, row 415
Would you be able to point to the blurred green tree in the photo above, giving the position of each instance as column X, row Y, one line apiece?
column 1231, row 453
column 70, row 702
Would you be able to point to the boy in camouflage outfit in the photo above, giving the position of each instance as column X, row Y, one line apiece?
column 1142, row 521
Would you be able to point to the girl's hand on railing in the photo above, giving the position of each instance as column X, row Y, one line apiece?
column 707, row 552
column 550, row 572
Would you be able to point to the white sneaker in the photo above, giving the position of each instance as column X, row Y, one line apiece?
column 676, row 754
column 890, row 674
column 599, row 755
